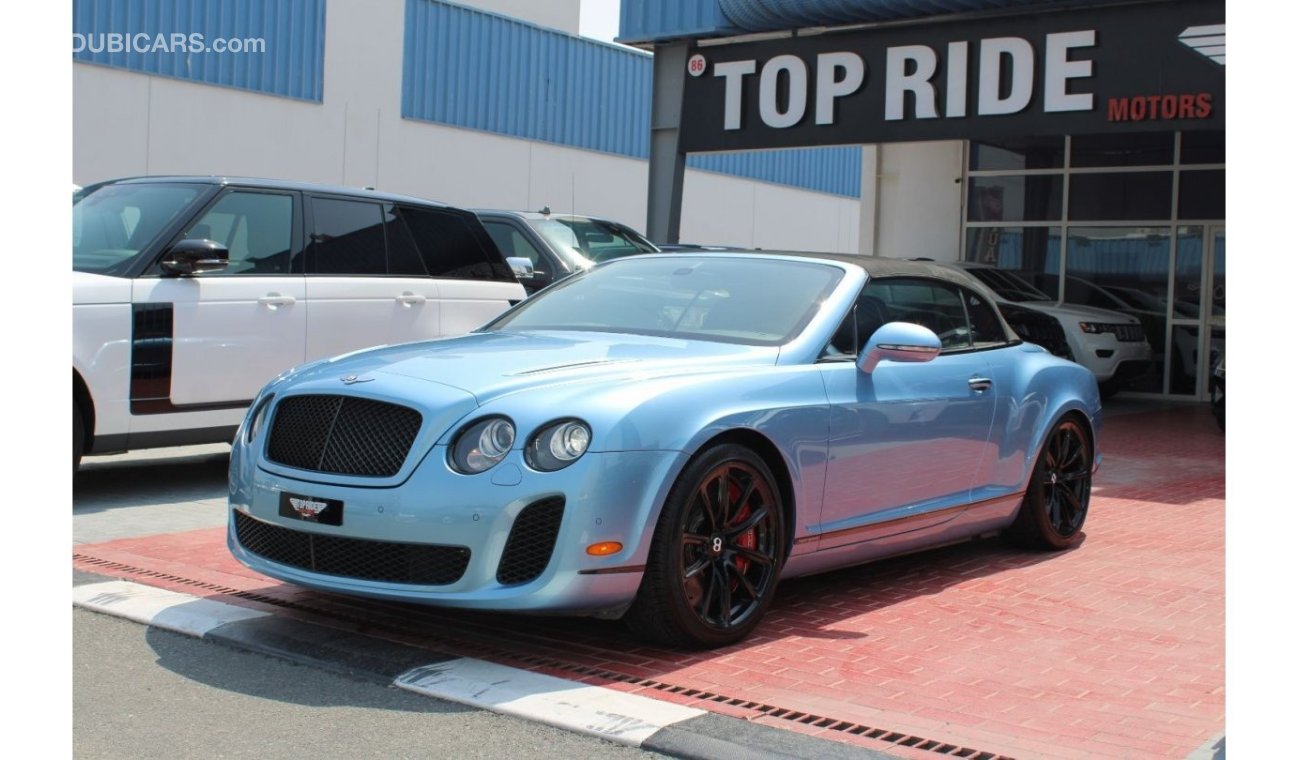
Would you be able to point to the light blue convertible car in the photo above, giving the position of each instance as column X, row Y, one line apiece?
column 663, row 438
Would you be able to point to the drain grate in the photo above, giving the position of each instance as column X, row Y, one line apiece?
column 465, row 644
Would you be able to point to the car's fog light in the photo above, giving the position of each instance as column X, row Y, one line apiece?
column 481, row 445
column 604, row 548
column 558, row 445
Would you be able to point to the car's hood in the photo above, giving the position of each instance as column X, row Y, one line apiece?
column 1080, row 313
column 490, row 365
column 88, row 288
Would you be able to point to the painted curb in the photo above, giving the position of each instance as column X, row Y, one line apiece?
column 628, row 719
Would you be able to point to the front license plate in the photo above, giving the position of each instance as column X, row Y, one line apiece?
column 311, row 508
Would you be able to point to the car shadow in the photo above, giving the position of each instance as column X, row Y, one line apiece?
column 833, row 606
column 112, row 482
column 186, row 658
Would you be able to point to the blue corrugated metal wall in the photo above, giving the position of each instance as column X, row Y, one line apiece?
column 482, row 71
column 645, row 20
column 292, row 64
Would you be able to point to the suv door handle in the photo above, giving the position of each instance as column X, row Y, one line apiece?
column 275, row 300
column 410, row 299
column 980, row 384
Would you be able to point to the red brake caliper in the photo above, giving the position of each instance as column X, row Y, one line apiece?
column 748, row 539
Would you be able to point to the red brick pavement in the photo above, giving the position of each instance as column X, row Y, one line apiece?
column 1114, row 649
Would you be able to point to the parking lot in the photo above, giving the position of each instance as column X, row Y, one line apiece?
column 1115, row 649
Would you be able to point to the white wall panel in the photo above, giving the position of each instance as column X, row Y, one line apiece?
column 126, row 124
column 919, row 200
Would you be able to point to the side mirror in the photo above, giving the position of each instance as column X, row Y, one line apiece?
column 190, row 257
column 899, row 342
column 521, row 266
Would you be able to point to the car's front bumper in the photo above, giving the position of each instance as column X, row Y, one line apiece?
column 607, row 497
column 1104, row 354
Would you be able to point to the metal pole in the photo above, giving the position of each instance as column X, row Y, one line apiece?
column 667, row 162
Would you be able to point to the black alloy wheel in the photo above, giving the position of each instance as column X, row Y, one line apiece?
column 1056, row 502
column 716, row 553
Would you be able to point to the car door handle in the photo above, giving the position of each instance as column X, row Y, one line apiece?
column 980, row 383
column 410, row 299
column 275, row 300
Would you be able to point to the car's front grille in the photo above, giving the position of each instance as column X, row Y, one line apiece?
column 1129, row 333
column 387, row 561
column 1037, row 327
column 531, row 543
column 342, row 434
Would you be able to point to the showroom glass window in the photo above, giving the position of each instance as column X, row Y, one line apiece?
column 1129, row 222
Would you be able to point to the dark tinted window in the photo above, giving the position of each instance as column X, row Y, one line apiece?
column 1034, row 252
column 1018, row 153
column 986, row 328
column 512, row 243
column 257, row 229
column 348, row 237
column 1132, row 196
column 1202, row 194
column 925, row 302
column 929, row 303
column 403, row 255
column 1204, row 148
column 1127, row 149
column 1030, row 198
column 452, row 247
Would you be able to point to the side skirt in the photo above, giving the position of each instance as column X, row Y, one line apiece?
column 971, row 521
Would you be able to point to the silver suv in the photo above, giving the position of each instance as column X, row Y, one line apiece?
column 558, row 245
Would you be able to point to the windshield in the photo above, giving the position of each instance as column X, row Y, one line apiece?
column 563, row 241
column 757, row 302
column 593, row 239
column 112, row 224
column 1008, row 285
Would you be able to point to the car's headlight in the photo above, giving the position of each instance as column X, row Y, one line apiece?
column 558, row 445
column 481, row 445
column 256, row 418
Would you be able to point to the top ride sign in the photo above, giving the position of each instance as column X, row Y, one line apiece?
column 1137, row 67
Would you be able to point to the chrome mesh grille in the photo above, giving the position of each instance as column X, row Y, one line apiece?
column 345, row 435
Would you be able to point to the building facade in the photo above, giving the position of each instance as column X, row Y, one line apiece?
column 486, row 104
column 1080, row 146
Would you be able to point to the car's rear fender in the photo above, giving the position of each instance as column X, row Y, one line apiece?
column 1033, row 395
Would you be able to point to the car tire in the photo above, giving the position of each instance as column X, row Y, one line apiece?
column 1055, row 506
column 715, row 555
column 78, row 436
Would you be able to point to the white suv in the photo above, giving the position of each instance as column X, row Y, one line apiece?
column 191, row 293
column 1111, row 344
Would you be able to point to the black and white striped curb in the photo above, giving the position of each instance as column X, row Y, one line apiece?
column 628, row 719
